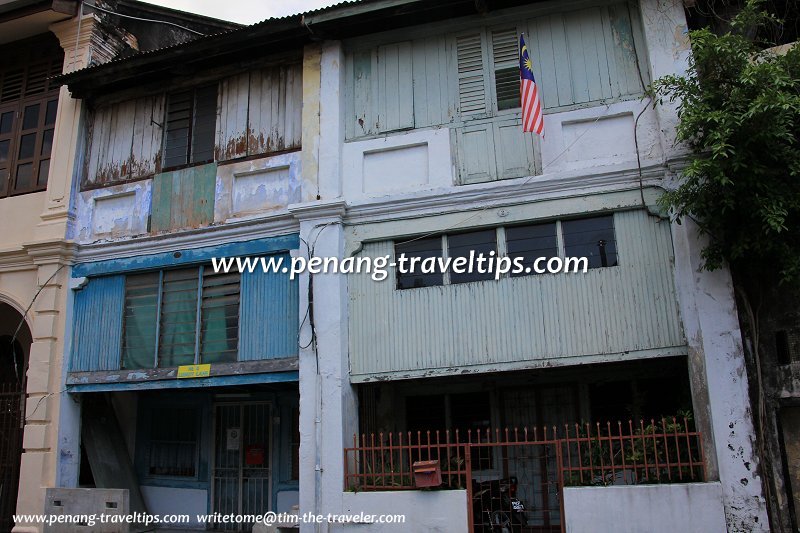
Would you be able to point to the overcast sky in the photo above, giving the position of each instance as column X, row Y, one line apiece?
column 244, row 11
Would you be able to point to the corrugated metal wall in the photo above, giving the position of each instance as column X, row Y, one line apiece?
column 268, row 315
column 613, row 310
column 97, row 333
column 267, row 320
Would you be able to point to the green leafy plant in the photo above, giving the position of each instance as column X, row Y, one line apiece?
column 738, row 106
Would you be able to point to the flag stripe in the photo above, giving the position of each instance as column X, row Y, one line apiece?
column 532, row 117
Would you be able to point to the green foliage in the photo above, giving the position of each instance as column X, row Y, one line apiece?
column 738, row 107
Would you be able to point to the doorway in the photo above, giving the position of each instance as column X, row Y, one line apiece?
column 13, row 368
column 242, row 480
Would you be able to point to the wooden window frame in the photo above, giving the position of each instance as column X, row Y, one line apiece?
column 33, row 61
column 189, row 150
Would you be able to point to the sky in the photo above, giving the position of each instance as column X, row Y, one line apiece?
column 244, row 11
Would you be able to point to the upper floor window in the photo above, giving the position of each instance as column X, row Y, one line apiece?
column 190, row 127
column 592, row 238
column 28, row 105
column 180, row 317
column 248, row 114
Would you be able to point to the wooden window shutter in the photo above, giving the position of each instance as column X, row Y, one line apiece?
column 471, row 74
column 395, row 87
column 505, row 58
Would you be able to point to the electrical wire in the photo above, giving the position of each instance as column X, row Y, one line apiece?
column 104, row 10
column 22, row 321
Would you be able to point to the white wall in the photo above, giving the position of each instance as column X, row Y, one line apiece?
column 437, row 510
column 680, row 507
column 169, row 500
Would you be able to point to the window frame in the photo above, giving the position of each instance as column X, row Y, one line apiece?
column 198, row 420
column 199, row 317
column 501, row 243
column 191, row 127
column 33, row 60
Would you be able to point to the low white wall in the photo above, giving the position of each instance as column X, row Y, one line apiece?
column 681, row 507
column 442, row 511
column 168, row 500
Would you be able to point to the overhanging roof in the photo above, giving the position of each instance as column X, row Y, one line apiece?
column 238, row 46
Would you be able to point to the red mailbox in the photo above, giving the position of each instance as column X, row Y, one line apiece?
column 427, row 473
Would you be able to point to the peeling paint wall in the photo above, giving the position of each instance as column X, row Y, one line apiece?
column 117, row 211
column 257, row 187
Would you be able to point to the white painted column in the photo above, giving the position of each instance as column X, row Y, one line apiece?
column 327, row 400
column 668, row 51
column 719, row 379
column 331, row 123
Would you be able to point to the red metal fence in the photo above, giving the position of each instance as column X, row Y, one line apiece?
column 532, row 466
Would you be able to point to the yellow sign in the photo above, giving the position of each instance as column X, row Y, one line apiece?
column 194, row 371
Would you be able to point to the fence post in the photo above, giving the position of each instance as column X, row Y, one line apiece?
column 560, row 467
column 468, row 481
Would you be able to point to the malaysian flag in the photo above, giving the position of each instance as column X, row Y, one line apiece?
column 532, row 119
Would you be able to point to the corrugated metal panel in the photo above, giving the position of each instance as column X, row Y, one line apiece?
column 97, row 332
column 613, row 310
column 125, row 141
column 184, row 198
column 268, row 316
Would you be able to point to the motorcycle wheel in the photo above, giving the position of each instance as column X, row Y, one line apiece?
column 503, row 522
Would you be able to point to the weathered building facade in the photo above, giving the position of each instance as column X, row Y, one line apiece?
column 359, row 132
column 177, row 172
column 40, row 147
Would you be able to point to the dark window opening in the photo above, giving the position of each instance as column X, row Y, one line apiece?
column 190, row 127
column 468, row 413
column 423, row 249
column 530, row 243
column 505, row 51
column 173, row 442
column 640, row 399
column 592, row 238
column 28, row 105
column 787, row 346
column 469, row 245
column 506, row 82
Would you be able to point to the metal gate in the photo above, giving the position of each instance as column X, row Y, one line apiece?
column 242, row 467
column 11, row 403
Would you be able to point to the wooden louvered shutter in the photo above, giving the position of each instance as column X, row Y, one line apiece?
column 471, row 75
column 505, row 58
